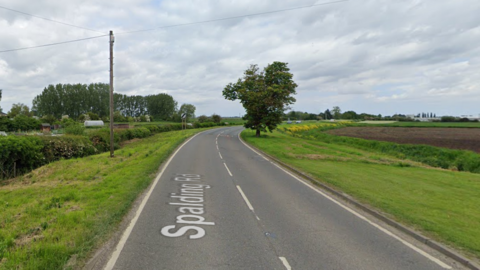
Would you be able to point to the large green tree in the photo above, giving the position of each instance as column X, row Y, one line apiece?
column 265, row 95
column 76, row 100
column 161, row 106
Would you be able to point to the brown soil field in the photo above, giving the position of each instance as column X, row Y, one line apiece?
column 454, row 138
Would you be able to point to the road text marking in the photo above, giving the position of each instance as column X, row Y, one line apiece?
column 128, row 231
column 191, row 198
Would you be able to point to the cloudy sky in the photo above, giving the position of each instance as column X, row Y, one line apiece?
column 374, row 56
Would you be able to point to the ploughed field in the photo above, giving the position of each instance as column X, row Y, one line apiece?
column 454, row 138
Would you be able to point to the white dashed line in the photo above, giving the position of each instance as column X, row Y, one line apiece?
column 227, row 169
column 220, row 155
column 430, row 257
column 245, row 198
column 285, row 262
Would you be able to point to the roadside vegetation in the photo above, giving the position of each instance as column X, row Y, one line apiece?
column 459, row 160
column 52, row 217
column 443, row 204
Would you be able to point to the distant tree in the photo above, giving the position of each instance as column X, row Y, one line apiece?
column 119, row 117
column 321, row 116
column 328, row 114
column 93, row 116
column 265, row 95
column 161, row 106
column 202, row 119
column 337, row 113
column 311, row 116
column 448, row 119
column 48, row 119
column 188, row 110
column 22, row 122
column 350, row 115
column 216, row 118
column 19, row 109
column 434, row 115
column 0, row 99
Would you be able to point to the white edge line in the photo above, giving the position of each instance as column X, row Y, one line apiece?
column 220, row 155
column 227, row 169
column 430, row 257
column 245, row 198
column 285, row 262
column 128, row 231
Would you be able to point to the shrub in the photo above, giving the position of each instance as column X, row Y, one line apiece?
column 55, row 148
column 75, row 129
column 216, row 118
column 26, row 153
column 23, row 152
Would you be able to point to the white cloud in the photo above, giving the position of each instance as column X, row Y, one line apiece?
column 377, row 56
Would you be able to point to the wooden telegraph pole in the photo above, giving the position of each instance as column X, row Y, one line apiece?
column 112, row 40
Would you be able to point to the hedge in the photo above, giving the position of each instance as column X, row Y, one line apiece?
column 21, row 154
column 25, row 153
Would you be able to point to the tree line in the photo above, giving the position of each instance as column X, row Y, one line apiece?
column 76, row 100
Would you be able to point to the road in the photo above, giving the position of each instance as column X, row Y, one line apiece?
column 220, row 205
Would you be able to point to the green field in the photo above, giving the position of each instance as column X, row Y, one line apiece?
column 428, row 124
column 442, row 204
column 64, row 210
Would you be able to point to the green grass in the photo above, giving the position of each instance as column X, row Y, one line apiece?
column 442, row 204
column 67, row 208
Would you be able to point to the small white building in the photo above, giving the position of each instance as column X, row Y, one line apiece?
column 96, row 123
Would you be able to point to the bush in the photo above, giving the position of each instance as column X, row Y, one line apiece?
column 25, row 123
column 216, row 118
column 448, row 119
column 75, row 129
column 55, row 148
column 26, row 153
column 23, row 152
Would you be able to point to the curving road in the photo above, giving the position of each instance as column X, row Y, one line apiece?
column 220, row 205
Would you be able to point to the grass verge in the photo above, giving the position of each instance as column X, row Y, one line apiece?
column 57, row 214
column 442, row 204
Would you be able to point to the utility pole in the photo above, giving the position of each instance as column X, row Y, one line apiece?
column 112, row 40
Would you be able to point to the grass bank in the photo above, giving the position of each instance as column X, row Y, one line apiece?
column 442, row 204
column 55, row 215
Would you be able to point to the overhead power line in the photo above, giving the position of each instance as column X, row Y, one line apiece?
column 52, row 44
column 166, row 26
column 231, row 18
column 35, row 16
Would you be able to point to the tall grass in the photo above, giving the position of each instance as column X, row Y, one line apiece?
column 60, row 212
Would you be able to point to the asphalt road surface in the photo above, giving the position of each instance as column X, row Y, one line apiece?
column 220, row 205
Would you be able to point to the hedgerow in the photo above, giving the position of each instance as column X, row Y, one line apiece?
column 21, row 154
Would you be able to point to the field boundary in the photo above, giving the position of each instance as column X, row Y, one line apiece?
column 346, row 198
